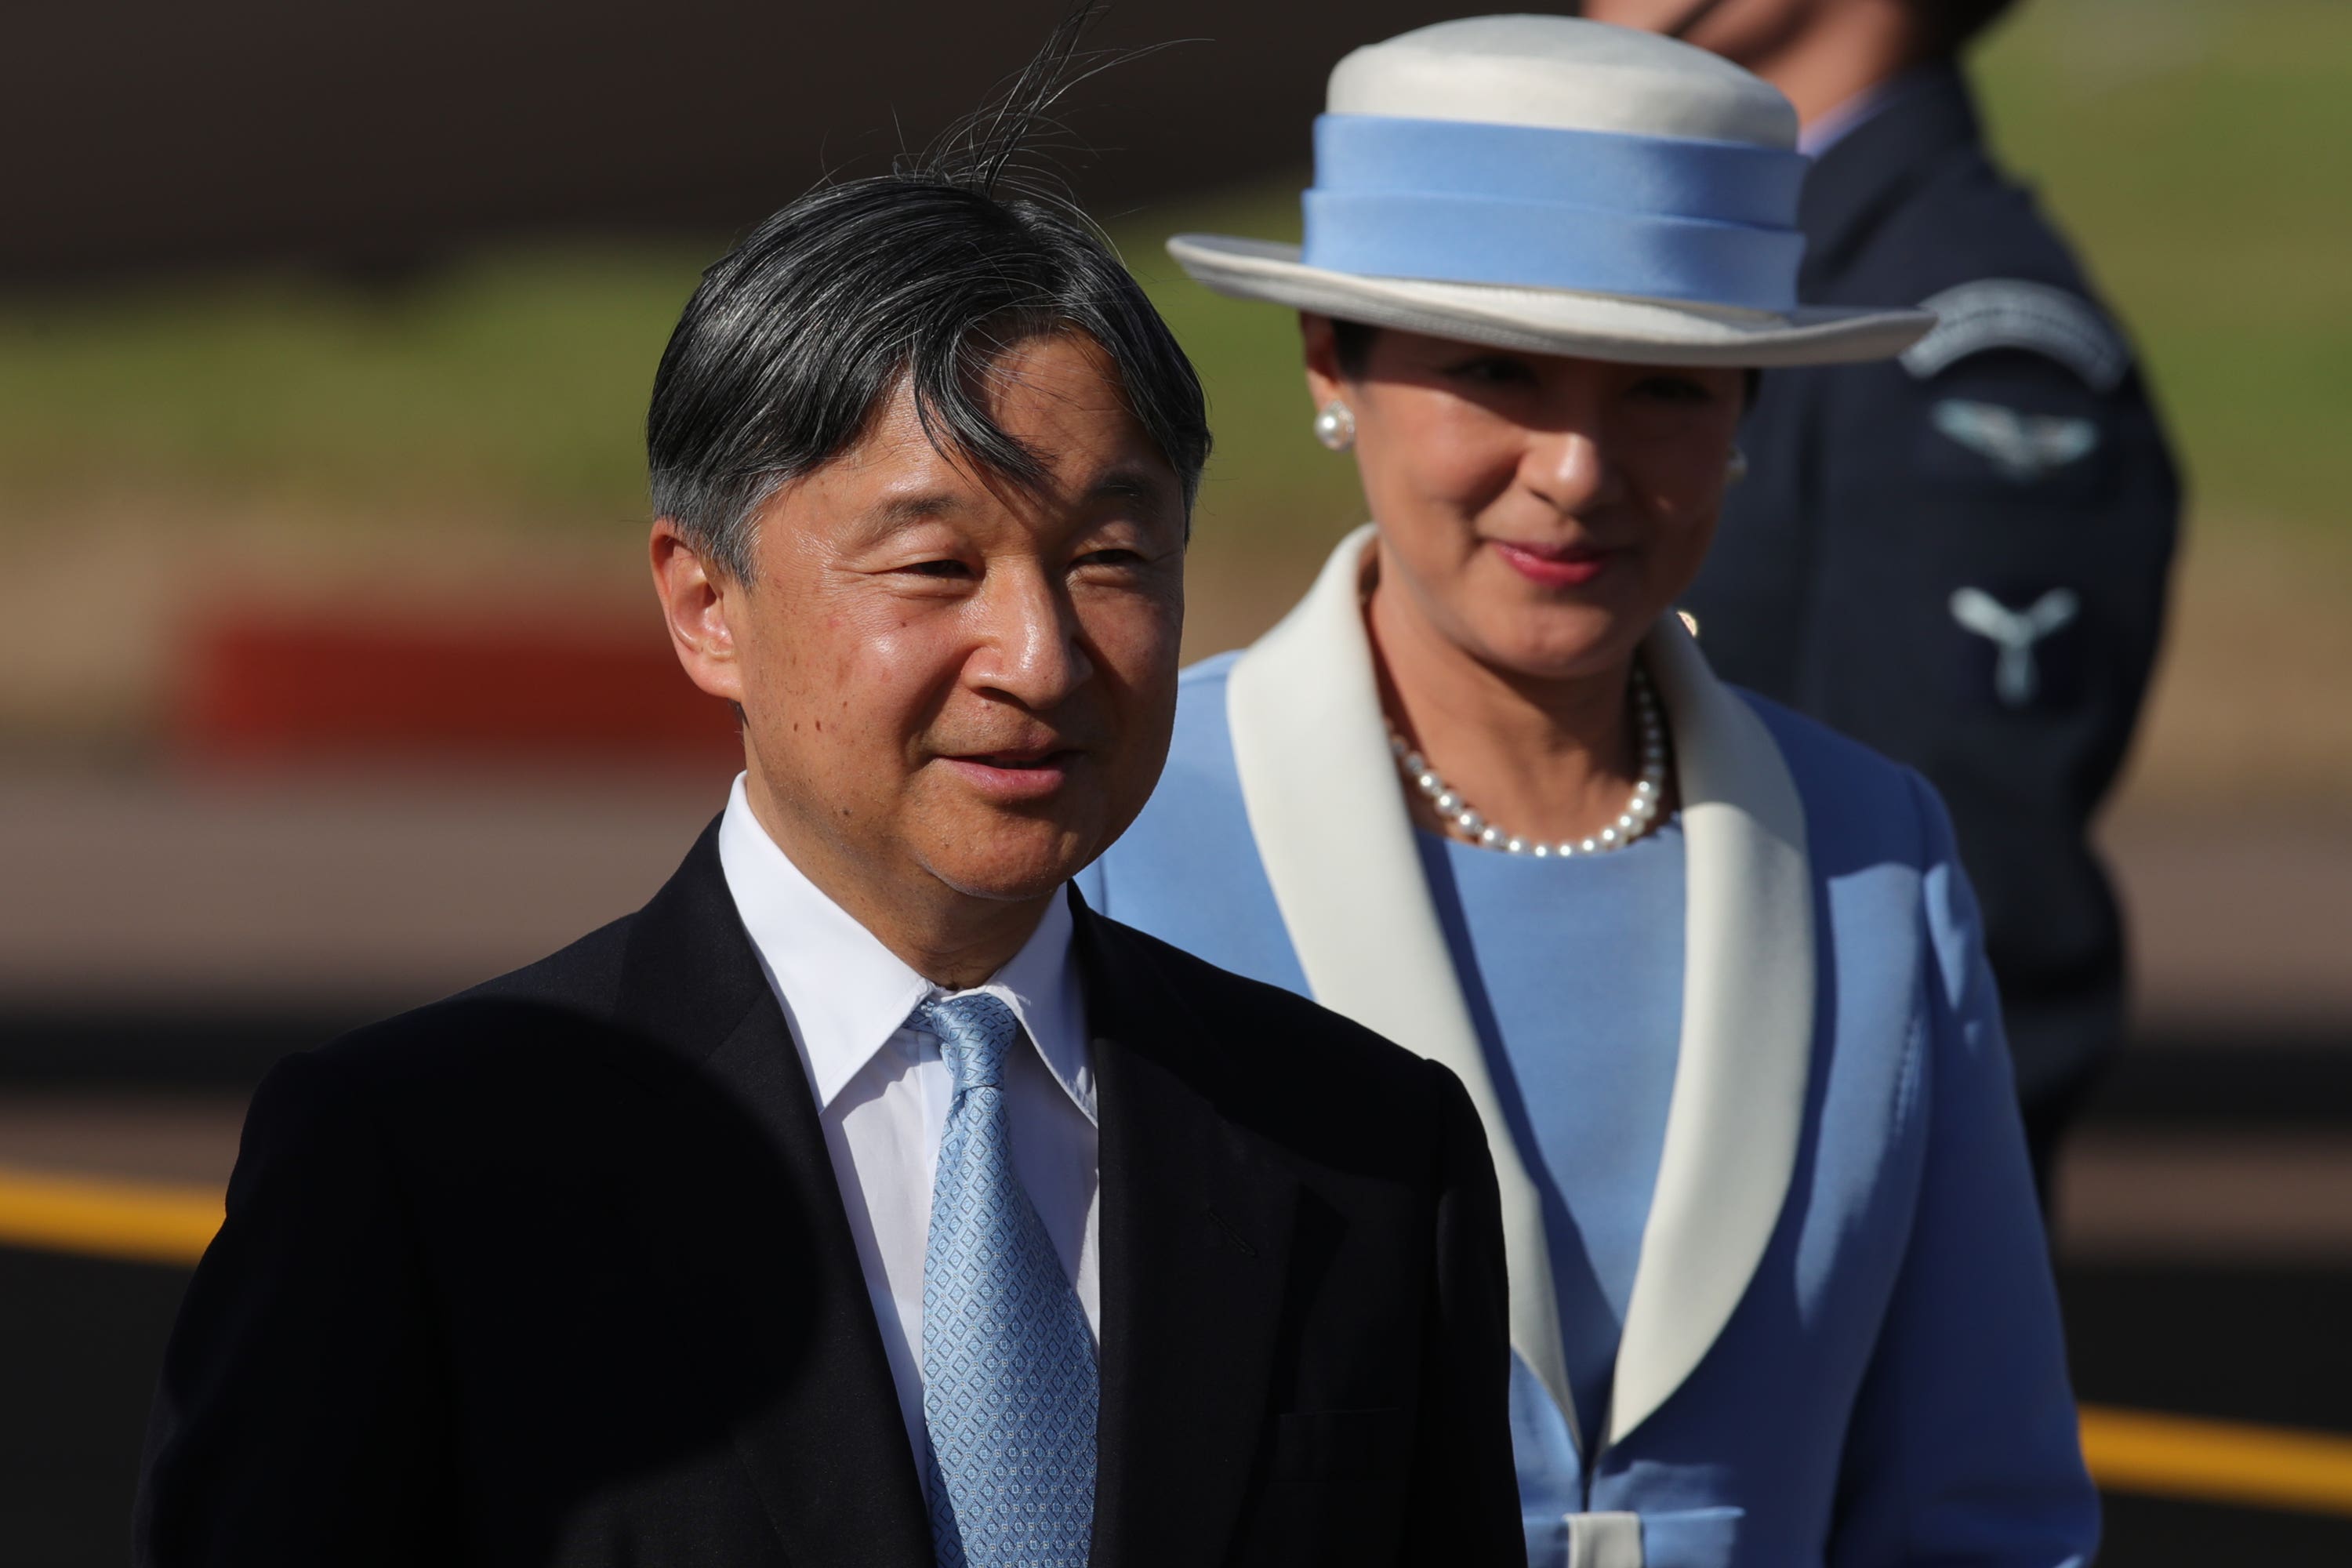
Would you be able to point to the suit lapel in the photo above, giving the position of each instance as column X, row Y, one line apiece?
column 1737, row 1109
column 1311, row 747
column 1196, row 1220
column 1320, row 790
column 826, row 1449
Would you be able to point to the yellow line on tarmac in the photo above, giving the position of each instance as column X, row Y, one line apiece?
column 107, row 1216
column 2184, row 1457
column 2218, row 1461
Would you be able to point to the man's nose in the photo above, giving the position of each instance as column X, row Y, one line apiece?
column 1029, row 645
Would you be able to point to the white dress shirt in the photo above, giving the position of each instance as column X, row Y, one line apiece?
column 882, row 1090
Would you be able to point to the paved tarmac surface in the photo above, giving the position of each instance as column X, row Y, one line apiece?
column 2264, row 1344
column 255, row 897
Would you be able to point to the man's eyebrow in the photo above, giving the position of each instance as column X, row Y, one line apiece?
column 920, row 507
column 886, row 518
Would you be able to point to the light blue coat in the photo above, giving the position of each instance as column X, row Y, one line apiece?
column 1842, row 1345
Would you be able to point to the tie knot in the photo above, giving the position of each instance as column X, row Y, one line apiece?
column 975, row 1032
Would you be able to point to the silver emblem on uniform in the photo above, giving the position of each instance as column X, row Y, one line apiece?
column 2016, row 675
column 2023, row 447
column 1994, row 313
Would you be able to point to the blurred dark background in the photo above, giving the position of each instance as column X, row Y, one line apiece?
column 328, row 680
column 376, row 137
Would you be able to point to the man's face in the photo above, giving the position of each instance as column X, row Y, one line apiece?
column 949, row 679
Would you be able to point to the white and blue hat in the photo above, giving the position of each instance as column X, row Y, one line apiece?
column 1557, row 186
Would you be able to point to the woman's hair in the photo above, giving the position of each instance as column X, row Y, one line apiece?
column 925, row 275
column 1351, row 346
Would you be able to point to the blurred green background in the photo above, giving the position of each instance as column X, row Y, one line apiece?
column 2197, row 149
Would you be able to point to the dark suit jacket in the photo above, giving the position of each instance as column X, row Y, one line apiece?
column 557, row 1272
column 1876, row 493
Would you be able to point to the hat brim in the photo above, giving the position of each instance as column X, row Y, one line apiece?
column 1552, row 320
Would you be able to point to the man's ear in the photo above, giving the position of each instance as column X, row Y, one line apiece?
column 1322, row 345
column 696, row 600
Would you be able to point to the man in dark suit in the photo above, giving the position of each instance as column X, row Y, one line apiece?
column 864, row 1198
column 1960, row 556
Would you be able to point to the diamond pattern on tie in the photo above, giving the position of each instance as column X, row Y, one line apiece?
column 1010, row 1383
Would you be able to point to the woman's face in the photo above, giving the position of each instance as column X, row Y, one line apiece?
column 1541, row 512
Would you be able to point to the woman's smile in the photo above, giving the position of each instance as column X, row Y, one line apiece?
column 1594, row 487
column 1555, row 565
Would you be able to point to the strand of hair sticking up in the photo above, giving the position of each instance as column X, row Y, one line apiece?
column 1006, row 146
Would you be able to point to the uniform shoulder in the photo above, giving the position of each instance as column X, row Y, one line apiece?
column 1972, row 199
column 1975, row 248
column 1966, row 217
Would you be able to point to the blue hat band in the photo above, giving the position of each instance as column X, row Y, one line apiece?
column 1533, row 207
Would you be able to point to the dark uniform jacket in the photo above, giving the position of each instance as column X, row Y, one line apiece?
column 558, row 1272
column 1960, row 557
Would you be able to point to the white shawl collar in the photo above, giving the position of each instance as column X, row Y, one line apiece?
column 1328, row 815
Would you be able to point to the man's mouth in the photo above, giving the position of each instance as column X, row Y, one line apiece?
column 1021, row 756
column 1016, row 774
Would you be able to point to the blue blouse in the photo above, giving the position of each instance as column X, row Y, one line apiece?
column 1573, row 973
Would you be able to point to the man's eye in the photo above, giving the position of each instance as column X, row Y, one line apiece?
column 949, row 569
column 1116, row 557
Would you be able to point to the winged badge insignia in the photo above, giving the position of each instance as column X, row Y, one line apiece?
column 2025, row 448
column 2016, row 633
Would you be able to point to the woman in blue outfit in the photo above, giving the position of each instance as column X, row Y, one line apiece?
column 1778, row 1289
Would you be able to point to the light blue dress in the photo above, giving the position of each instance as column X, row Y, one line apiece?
column 1890, row 1386
column 1573, row 971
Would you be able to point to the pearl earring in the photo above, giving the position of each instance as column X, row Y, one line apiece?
column 1737, row 469
column 1335, row 426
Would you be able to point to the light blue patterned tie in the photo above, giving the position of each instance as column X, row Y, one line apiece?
column 1010, row 1384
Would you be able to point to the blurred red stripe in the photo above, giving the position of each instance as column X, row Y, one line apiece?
column 258, row 685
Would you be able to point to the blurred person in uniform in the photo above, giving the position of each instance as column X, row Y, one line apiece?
column 1960, row 556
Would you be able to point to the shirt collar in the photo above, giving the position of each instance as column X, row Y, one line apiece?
column 846, row 995
column 1827, row 130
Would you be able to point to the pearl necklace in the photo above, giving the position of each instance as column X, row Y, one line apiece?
column 1637, row 818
